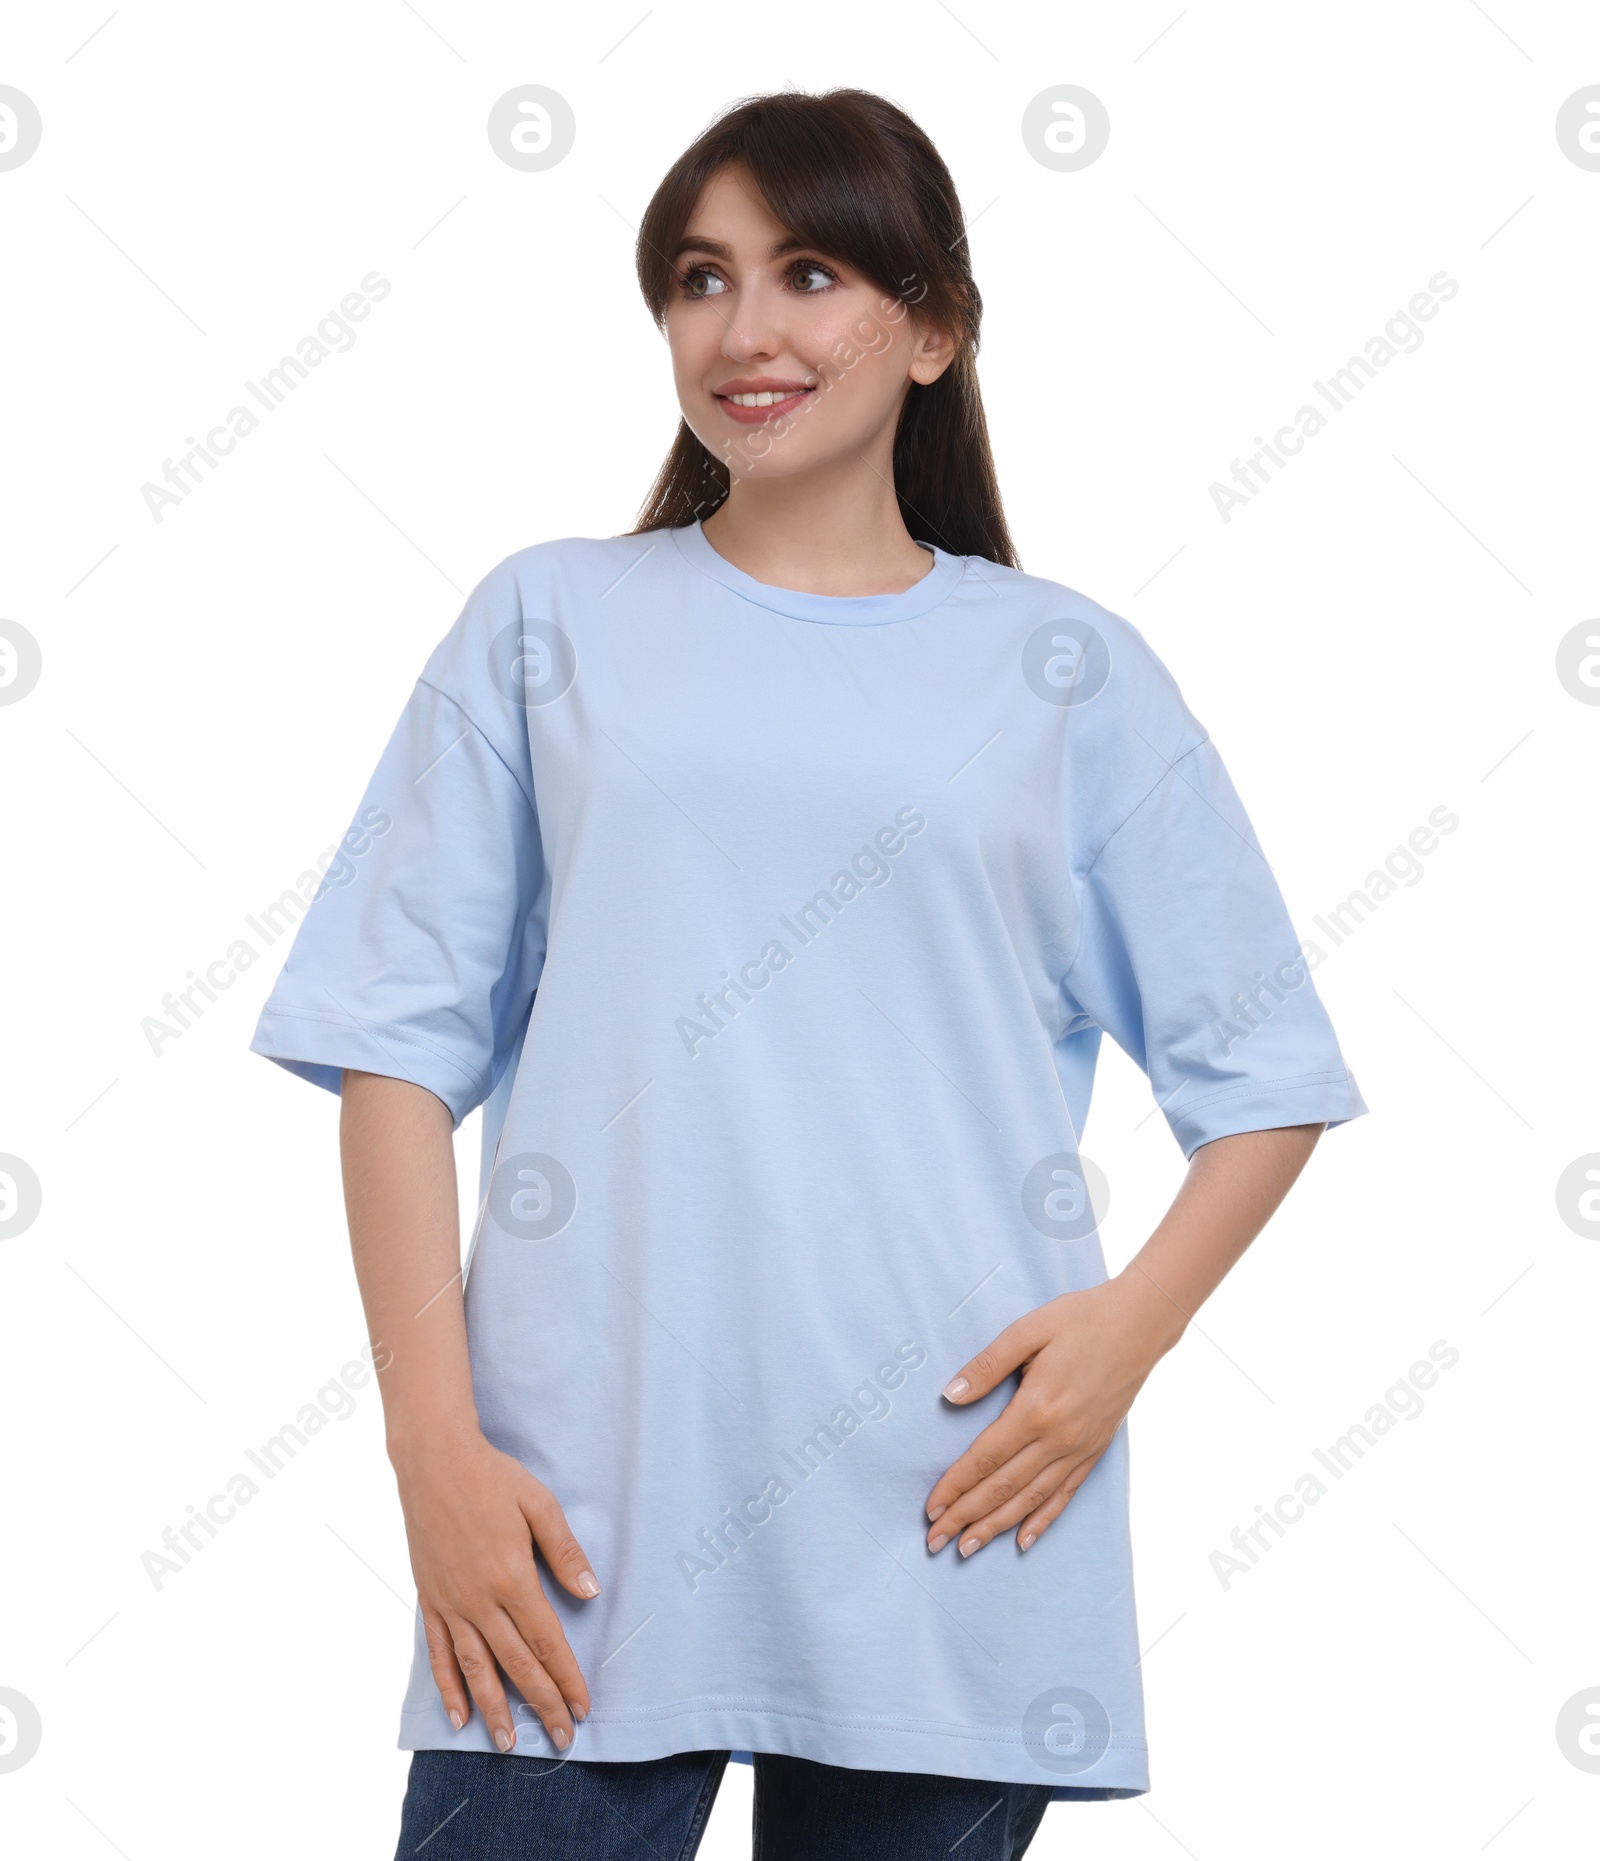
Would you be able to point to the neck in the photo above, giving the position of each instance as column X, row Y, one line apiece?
column 840, row 535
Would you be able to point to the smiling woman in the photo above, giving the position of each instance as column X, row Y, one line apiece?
column 827, row 232
column 632, row 760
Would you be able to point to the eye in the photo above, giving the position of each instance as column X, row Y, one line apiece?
column 812, row 266
column 691, row 279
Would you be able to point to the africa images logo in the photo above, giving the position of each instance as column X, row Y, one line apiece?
column 1066, row 1730
column 1066, row 1196
column 1066, row 662
column 532, row 1196
column 21, row 1729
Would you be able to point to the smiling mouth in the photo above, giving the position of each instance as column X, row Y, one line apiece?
column 749, row 409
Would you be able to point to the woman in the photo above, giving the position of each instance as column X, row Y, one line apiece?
column 769, row 874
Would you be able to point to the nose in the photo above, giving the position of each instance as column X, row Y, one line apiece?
column 752, row 330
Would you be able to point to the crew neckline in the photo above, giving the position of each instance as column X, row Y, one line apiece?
column 864, row 610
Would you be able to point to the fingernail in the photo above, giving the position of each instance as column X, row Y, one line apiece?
column 934, row 1511
column 1028, row 1538
column 559, row 1734
column 575, row 1709
column 504, row 1739
column 456, row 1719
column 971, row 1545
column 957, row 1386
column 938, row 1544
column 587, row 1585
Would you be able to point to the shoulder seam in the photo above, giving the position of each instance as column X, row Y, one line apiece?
column 450, row 698
column 1199, row 743
column 1078, row 947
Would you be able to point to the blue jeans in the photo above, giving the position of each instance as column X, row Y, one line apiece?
column 481, row 1806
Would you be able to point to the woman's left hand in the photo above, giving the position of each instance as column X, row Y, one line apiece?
column 1083, row 1358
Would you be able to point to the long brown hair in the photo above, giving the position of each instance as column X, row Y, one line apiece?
column 849, row 173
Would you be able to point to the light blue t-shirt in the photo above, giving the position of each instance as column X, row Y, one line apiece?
column 776, row 932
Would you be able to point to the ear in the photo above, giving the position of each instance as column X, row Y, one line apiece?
column 933, row 350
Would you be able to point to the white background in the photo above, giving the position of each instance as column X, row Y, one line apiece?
column 1374, row 636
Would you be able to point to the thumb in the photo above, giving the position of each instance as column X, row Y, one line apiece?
column 995, row 1362
column 553, row 1535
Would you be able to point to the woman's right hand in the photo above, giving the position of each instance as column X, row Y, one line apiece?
column 473, row 1516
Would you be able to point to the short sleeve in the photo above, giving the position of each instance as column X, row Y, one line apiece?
column 1188, row 959
column 420, row 952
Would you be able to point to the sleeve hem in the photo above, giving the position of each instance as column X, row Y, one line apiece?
column 1268, row 1105
column 317, row 1047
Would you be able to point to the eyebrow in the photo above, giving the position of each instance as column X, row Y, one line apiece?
column 692, row 243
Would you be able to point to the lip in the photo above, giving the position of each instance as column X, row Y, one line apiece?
column 760, row 384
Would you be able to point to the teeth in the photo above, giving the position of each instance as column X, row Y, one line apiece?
column 765, row 398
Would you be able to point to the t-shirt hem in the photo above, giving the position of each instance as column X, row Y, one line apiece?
column 989, row 1755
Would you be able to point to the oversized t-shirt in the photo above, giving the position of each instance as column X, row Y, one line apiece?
column 776, row 933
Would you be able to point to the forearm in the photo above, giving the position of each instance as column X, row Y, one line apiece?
column 1229, row 1194
column 400, row 1199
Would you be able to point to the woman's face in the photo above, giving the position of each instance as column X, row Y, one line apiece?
column 756, row 313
